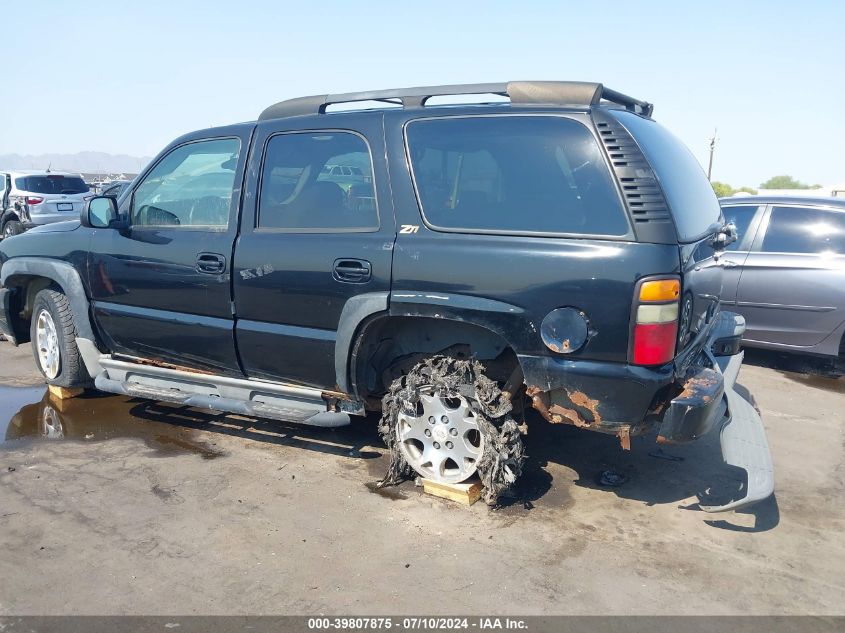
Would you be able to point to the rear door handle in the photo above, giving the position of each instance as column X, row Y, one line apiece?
column 211, row 263
column 356, row 271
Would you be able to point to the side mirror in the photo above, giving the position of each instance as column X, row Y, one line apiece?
column 726, row 235
column 100, row 212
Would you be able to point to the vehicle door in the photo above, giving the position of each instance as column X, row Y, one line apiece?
column 5, row 188
column 161, row 287
column 746, row 217
column 791, row 284
column 312, row 244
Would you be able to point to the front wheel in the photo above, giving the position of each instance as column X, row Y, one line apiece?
column 53, row 336
column 446, row 421
column 12, row 228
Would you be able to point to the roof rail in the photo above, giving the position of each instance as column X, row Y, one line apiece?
column 577, row 93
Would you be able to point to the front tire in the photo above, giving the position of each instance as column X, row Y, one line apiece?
column 12, row 228
column 445, row 421
column 53, row 336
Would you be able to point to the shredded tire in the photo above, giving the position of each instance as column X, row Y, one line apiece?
column 501, row 461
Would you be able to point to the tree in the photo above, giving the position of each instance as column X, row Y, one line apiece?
column 783, row 182
column 722, row 189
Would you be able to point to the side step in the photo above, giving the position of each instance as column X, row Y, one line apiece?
column 289, row 403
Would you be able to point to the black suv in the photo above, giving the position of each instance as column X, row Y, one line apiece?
column 561, row 249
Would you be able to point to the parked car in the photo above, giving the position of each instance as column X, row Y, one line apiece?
column 115, row 188
column 512, row 252
column 786, row 273
column 35, row 198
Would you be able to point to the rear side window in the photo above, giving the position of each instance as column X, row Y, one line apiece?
column 513, row 174
column 805, row 230
column 318, row 182
column 51, row 184
column 691, row 199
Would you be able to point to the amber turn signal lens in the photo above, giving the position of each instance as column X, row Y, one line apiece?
column 660, row 290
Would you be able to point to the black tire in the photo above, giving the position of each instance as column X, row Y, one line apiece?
column 503, row 455
column 71, row 371
column 12, row 228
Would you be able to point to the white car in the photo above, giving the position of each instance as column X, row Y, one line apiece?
column 33, row 198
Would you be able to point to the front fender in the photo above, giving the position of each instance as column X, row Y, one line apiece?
column 18, row 270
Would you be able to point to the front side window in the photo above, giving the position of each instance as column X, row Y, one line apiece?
column 741, row 216
column 191, row 186
column 531, row 174
column 304, row 186
column 805, row 230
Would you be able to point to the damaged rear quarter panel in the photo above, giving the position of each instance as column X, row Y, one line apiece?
column 526, row 277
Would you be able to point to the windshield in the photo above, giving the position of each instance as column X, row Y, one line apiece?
column 51, row 184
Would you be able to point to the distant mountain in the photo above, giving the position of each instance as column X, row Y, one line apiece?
column 88, row 162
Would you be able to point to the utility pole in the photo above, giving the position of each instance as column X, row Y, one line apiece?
column 712, row 150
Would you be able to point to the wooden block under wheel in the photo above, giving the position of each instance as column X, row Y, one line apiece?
column 465, row 493
column 63, row 393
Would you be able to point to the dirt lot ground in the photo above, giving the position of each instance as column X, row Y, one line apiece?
column 146, row 508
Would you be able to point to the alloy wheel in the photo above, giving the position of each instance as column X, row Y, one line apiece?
column 441, row 440
column 47, row 339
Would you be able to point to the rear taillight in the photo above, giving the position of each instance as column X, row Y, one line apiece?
column 656, row 322
column 33, row 200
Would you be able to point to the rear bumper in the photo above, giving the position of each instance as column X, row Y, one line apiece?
column 49, row 218
column 709, row 400
column 627, row 400
column 744, row 443
column 701, row 405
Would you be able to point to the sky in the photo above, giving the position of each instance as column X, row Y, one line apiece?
column 128, row 77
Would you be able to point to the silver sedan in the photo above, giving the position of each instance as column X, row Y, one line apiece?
column 786, row 272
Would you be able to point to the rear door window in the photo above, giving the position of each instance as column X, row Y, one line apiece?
column 513, row 174
column 303, row 188
column 51, row 184
column 805, row 230
column 691, row 199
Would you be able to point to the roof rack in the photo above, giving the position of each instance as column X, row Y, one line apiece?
column 558, row 93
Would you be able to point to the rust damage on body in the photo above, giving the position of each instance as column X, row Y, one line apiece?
column 560, row 414
column 152, row 362
column 693, row 386
column 624, row 436
column 564, row 348
column 583, row 411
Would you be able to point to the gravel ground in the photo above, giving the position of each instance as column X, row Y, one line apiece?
column 133, row 507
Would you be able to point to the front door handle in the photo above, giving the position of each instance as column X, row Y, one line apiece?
column 355, row 271
column 211, row 263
